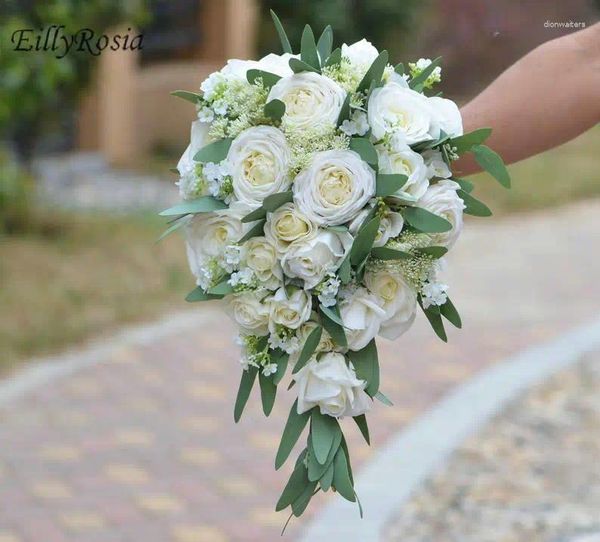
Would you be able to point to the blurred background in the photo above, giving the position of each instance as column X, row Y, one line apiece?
column 86, row 143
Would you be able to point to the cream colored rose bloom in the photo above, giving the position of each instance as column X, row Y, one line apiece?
column 334, row 188
column 441, row 199
column 362, row 314
column 333, row 386
column 361, row 54
column 398, row 300
column 312, row 259
column 312, row 101
column 260, row 255
column 447, row 115
column 259, row 160
column 404, row 161
column 395, row 108
column 287, row 226
column 249, row 312
column 289, row 311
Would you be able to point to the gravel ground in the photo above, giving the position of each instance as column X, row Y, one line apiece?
column 533, row 474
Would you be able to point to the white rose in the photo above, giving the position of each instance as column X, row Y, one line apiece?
column 441, row 199
column 191, row 185
column 395, row 108
column 390, row 226
column 334, row 188
column 360, row 54
column 312, row 101
column 436, row 167
column 208, row 234
column 405, row 161
column 398, row 299
column 260, row 256
column 249, row 312
column 333, row 386
column 362, row 315
column 287, row 226
column 311, row 260
column 259, row 161
column 272, row 63
column 447, row 115
column 289, row 311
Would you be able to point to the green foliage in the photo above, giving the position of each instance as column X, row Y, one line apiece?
column 386, row 23
column 15, row 196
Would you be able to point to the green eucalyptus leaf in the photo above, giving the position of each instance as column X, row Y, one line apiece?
column 388, row 184
column 246, row 384
column 380, row 396
column 255, row 231
column 325, row 43
column 268, row 391
column 424, row 221
column 293, row 429
column 465, row 142
column 223, row 288
column 274, row 201
column 399, row 69
column 375, row 72
column 300, row 504
column 285, row 42
column 257, row 214
column 366, row 365
column 345, row 270
column 214, row 152
column 310, row 345
column 473, row 206
column 173, row 227
column 299, row 66
column 361, row 421
column 465, row 185
column 327, row 478
column 344, row 111
column 386, row 253
column 317, row 470
column 294, row 488
column 334, row 58
column 436, row 252
column 448, row 311
column 198, row 294
column 332, row 322
column 363, row 147
column 363, row 242
column 205, row 204
column 281, row 360
column 341, row 477
column 275, row 109
column 323, row 434
column 268, row 79
column 308, row 48
column 435, row 320
column 186, row 95
column 491, row 162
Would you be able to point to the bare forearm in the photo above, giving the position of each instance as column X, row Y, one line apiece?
column 548, row 97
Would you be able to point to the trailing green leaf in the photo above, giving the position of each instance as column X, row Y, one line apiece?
column 375, row 72
column 198, row 294
column 255, row 231
column 308, row 48
column 363, row 242
column 388, row 184
column 294, row 488
column 285, row 42
column 223, row 288
column 323, row 432
column 327, row 478
column 435, row 320
column 172, row 228
column 366, row 150
column 291, row 433
column 214, row 152
column 473, row 206
column 448, row 311
column 205, row 204
column 380, row 396
column 386, row 253
column 341, row 477
column 344, row 111
column 424, row 221
column 275, row 109
column 465, row 142
column 310, row 345
column 268, row 79
column 300, row 504
column 465, row 185
column 268, row 391
column 366, row 365
column 317, row 470
column 246, row 384
column 280, row 358
column 361, row 421
column 186, row 95
column 491, row 162
column 325, row 44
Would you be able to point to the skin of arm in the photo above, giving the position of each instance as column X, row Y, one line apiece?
column 546, row 98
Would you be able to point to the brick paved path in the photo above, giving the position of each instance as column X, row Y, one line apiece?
column 143, row 448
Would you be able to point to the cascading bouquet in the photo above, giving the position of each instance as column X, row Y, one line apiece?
column 319, row 201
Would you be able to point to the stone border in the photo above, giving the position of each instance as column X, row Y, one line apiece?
column 41, row 371
column 395, row 471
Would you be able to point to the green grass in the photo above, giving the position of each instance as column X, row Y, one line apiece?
column 564, row 174
column 87, row 275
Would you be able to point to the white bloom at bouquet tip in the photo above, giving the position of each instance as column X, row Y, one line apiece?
column 362, row 313
column 259, row 161
column 441, row 199
column 395, row 108
column 331, row 385
column 334, row 188
column 312, row 101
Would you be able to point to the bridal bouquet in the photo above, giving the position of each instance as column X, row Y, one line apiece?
column 318, row 204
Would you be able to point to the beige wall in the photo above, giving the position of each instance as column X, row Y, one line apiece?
column 129, row 110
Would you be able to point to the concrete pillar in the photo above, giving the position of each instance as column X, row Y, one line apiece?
column 117, row 106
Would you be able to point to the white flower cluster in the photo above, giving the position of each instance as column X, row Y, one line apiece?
column 302, row 262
